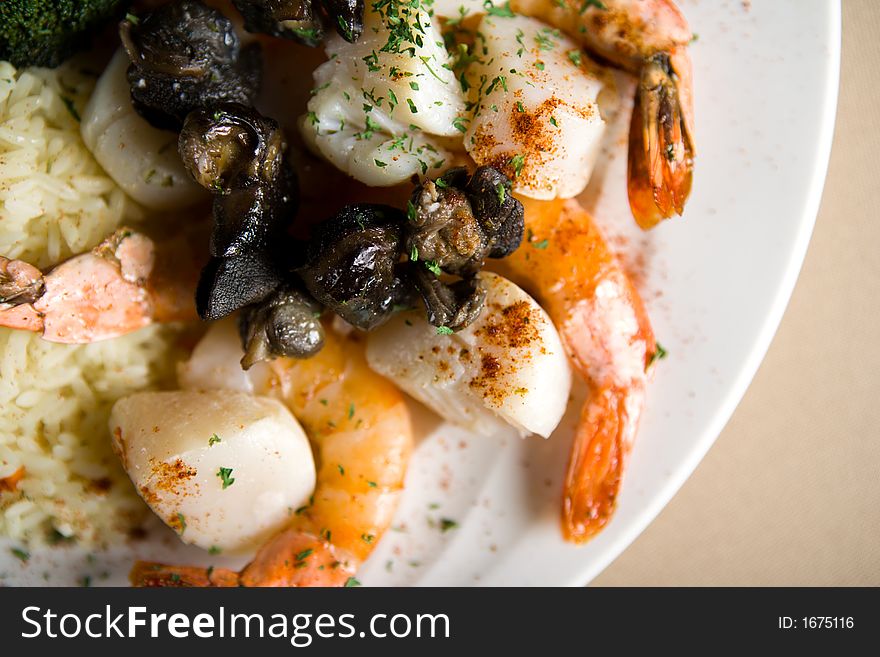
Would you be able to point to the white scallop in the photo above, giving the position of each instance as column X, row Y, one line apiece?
column 379, row 116
column 143, row 160
column 215, row 364
column 508, row 368
column 164, row 440
column 536, row 110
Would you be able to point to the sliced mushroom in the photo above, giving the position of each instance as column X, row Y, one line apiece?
column 288, row 323
column 289, row 19
column 185, row 55
column 352, row 264
column 303, row 20
column 457, row 221
column 453, row 306
column 238, row 154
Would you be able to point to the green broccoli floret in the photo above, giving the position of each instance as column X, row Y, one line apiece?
column 46, row 32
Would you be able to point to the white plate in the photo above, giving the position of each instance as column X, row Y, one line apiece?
column 716, row 284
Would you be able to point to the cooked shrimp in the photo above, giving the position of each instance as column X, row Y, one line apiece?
column 609, row 339
column 360, row 432
column 649, row 38
column 125, row 283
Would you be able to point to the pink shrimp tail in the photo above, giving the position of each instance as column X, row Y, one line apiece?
column 602, row 443
column 292, row 558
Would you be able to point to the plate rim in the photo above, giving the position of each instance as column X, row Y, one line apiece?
column 626, row 534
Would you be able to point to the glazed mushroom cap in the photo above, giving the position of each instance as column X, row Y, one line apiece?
column 301, row 20
column 230, row 145
column 352, row 264
column 186, row 55
column 457, row 221
column 227, row 284
column 451, row 305
column 238, row 154
column 287, row 323
column 347, row 16
column 500, row 215
column 289, row 19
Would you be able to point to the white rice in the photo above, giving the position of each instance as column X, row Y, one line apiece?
column 55, row 200
column 55, row 399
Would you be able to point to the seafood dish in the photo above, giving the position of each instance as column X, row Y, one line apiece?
column 240, row 241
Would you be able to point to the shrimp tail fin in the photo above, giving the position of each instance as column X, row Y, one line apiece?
column 601, row 448
column 296, row 558
column 152, row 574
column 661, row 144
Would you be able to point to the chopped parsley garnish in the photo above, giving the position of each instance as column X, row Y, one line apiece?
column 214, row 550
column 539, row 65
column 502, row 194
column 412, row 106
column 446, row 524
column 444, row 330
column 226, row 477
column 553, row 122
column 575, row 57
column 213, row 440
column 519, row 107
column 21, row 555
column 371, row 484
column 304, row 554
column 181, row 520
column 670, row 152
column 414, row 253
column 380, row 164
column 517, row 162
column 367, row 538
column 694, row 38
column 498, row 80
column 351, row 410
column 586, row 4
column 313, row 118
column 659, row 354
column 350, row 582
column 131, row 18
column 346, row 32
column 341, row 469
column 414, row 86
column 372, row 62
column 68, row 103
column 543, row 244
column 492, row 10
column 433, row 267
column 410, row 211
column 370, row 127
column 544, row 39
column 308, row 33
column 459, row 123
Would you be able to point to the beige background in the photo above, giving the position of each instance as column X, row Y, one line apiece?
column 790, row 493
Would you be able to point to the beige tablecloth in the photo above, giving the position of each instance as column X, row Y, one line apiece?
column 790, row 493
